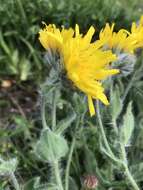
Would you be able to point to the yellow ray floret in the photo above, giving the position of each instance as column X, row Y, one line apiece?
column 123, row 40
column 86, row 65
column 51, row 37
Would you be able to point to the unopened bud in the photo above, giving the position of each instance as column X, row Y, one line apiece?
column 125, row 63
column 90, row 182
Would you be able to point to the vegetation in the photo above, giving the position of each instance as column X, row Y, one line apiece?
column 107, row 147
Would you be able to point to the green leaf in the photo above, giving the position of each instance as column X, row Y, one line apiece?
column 23, row 126
column 4, row 45
column 128, row 125
column 31, row 183
column 15, row 58
column 137, row 171
column 80, row 103
column 72, row 184
column 24, row 68
column 51, row 147
column 7, row 167
column 89, row 166
column 108, row 154
column 65, row 123
column 34, row 184
column 116, row 103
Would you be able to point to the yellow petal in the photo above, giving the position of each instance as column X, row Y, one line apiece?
column 48, row 40
column 67, row 34
column 50, row 37
column 88, row 36
column 102, row 73
column 76, row 30
column 103, row 98
column 91, row 106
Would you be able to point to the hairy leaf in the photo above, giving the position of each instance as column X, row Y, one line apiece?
column 51, row 147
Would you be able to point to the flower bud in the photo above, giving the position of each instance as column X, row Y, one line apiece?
column 125, row 63
column 90, row 182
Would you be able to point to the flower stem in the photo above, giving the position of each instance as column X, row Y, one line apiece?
column 68, row 164
column 44, row 123
column 123, row 152
column 113, row 119
column 57, row 175
column 67, row 172
column 127, row 171
column 102, row 129
column 54, row 111
column 130, row 84
column 128, row 87
column 14, row 181
column 115, row 127
column 130, row 178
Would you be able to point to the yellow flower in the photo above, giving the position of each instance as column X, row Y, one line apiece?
column 123, row 40
column 136, row 36
column 86, row 65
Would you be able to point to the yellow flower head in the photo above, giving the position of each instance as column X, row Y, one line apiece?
column 123, row 40
column 86, row 65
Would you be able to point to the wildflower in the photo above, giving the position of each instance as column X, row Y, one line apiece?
column 85, row 63
column 123, row 40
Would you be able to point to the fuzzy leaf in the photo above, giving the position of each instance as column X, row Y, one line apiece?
column 51, row 147
column 116, row 104
column 24, row 66
column 15, row 58
column 65, row 123
column 9, row 166
column 128, row 125
column 34, row 184
column 137, row 171
column 30, row 184
column 72, row 184
column 89, row 166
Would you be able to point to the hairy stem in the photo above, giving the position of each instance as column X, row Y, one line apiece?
column 131, row 179
column 127, row 171
column 57, row 175
column 44, row 123
column 54, row 111
column 67, row 173
column 128, row 87
column 102, row 129
column 14, row 181
column 130, row 84
column 68, row 164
